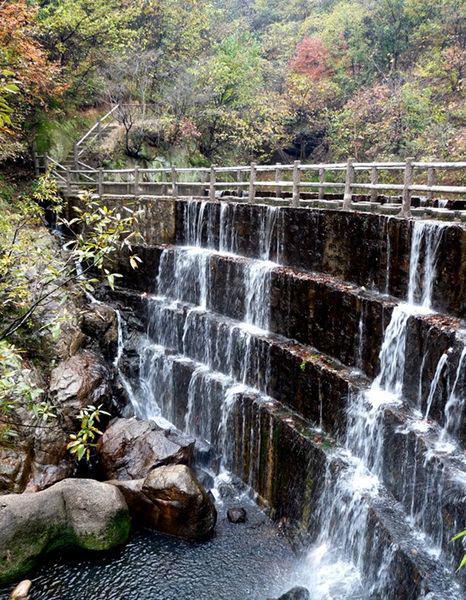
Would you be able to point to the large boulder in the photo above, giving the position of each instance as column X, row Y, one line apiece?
column 79, row 381
column 171, row 500
column 75, row 512
column 184, row 508
column 130, row 449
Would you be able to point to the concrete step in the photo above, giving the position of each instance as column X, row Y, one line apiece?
column 366, row 249
column 337, row 319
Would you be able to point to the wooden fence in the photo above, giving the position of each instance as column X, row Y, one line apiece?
column 282, row 180
column 285, row 181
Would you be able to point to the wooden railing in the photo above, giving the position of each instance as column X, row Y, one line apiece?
column 281, row 180
column 94, row 133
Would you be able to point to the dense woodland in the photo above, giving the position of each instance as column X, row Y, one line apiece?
column 229, row 80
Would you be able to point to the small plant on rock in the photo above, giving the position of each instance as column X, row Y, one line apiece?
column 82, row 442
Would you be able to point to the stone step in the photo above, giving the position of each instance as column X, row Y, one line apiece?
column 310, row 382
column 367, row 249
column 338, row 319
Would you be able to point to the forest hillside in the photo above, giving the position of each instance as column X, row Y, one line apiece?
column 231, row 80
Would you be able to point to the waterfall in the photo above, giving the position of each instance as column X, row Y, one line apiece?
column 426, row 237
column 217, row 360
column 180, row 328
column 435, row 381
column 343, row 507
column 258, row 293
column 454, row 408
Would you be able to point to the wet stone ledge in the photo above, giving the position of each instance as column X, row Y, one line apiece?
column 309, row 382
column 369, row 250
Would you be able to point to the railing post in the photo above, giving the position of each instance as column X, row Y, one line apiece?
column 136, row 181
column 278, row 178
column 68, row 182
column 374, row 181
column 46, row 163
column 100, row 183
column 75, row 155
column 213, row 181
column 252, row 183
column 347, row 197
column 408, row 182
column 174, row 183
column 321, row 181
column 430, row 182
column 239, row 179
column 296, row 182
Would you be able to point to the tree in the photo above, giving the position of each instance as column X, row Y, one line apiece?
column 28, row 79
column 80, row 36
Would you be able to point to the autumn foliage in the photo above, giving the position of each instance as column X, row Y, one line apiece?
column 311, row 59
column 231, row 80
column 28, row 78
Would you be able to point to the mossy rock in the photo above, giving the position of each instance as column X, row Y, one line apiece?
column 73, row 513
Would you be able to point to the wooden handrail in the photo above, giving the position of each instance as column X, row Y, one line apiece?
column 96, row 125
column 139, row 182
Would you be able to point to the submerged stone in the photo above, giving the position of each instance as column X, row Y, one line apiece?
column 237, row 514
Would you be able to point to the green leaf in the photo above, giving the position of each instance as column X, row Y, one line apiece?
column 462, row 563
column 458, row 536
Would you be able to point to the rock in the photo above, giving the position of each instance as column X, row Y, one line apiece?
column 236, row 514
column 183, row 506
column 296, row 593
column 75, row 512
column 130, row 449
column 79, row 381
column 21, row 591
column 51, row 459
column 171, row 500
column 100, row 324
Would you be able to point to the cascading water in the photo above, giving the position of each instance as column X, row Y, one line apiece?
column 343, row 507
column 218, row 369
column 224, row 365
column 454, row 408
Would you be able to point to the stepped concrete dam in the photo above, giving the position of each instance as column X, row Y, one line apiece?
column 318, row 357
column 322, row 354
